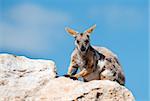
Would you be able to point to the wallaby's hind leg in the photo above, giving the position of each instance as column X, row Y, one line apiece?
column 107, row 75
column 113, row 76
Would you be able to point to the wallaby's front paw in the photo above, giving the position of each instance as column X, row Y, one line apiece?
column 66, row 75
column 71, row 77
column 74, row 78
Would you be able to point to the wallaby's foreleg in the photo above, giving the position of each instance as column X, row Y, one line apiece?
column 83, row 73
column 72, row 70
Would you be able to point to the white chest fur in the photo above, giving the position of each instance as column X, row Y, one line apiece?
column 101, row 64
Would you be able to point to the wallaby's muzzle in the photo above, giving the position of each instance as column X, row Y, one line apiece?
column 83, row 48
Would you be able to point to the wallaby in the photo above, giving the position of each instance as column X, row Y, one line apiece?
column 95, row 63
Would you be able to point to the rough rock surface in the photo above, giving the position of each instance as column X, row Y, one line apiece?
column 23, row 79
column 20, row 76
column 64, row 89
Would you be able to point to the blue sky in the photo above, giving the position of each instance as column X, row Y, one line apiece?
column 35, row 28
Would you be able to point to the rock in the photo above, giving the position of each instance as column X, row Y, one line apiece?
column 23, row 79
column 65, row 89
column 20, row 76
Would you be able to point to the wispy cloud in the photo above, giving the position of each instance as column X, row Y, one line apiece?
column 31, row 28
column 119, row 16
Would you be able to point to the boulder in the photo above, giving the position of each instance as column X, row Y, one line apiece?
column 65, row 89
column 24, row 79
column 21, row 76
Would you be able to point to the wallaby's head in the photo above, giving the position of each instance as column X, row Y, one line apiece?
column 82, row 40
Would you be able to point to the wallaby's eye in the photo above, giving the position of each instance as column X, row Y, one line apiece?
column 78, row 41
column 86, row 41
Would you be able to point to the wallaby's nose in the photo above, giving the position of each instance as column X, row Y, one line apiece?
column 83, row 48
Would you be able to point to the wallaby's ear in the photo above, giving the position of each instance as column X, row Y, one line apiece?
column 71, row 31
column 90, row 30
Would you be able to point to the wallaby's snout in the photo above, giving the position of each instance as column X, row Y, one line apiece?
column 82, row 42
column 83, row 48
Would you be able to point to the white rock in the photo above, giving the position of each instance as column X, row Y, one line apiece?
column 23, row 79
column 20, row 76
column 64, row 89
